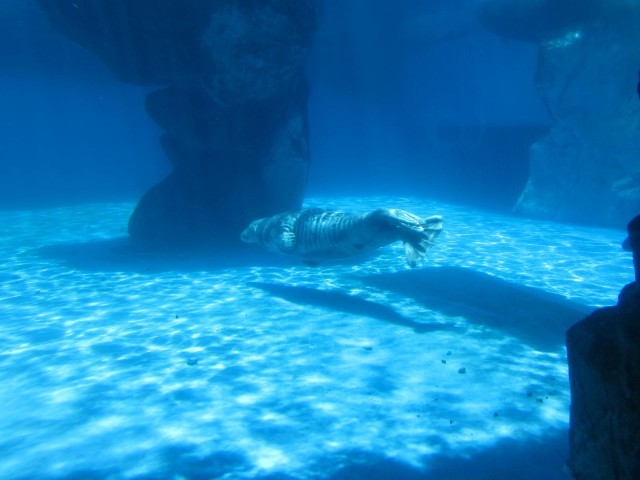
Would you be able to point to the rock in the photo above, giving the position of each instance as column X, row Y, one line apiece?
column 632, row 243
column 604, row 370
column 285, row 167
column 530, row 20
column 143, row 42
column 586, row 169
column 233, row 108
column 257, row 53
column 547, row 20
column 187, row 211
column 231, row 165
column 196, row 125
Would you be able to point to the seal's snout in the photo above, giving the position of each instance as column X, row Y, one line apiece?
column 250, row 234
column 245, row 236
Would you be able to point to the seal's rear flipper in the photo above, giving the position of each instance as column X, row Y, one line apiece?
column 418, row 234
column 418, row 239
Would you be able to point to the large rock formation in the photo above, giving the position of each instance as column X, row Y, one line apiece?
column 604, row 369
column 232, row 104
column 586, row 169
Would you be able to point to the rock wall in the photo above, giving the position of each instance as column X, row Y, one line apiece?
column 232, row 104
column 604, row 363
column 587, row 169
column 604, row 370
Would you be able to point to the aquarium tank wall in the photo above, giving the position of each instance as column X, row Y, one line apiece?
column 320, row 239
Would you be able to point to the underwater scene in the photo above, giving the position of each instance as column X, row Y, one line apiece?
column 319, row 239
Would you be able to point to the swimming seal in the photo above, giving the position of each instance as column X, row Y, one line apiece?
column 315, row 234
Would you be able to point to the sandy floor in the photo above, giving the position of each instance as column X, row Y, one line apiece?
column 255, row 366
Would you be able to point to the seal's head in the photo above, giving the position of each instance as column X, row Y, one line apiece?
column 250, row 234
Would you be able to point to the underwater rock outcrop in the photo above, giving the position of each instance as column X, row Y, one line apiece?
column 544, row 20
column 586, row 170
column 232, row 104
column 604, row 370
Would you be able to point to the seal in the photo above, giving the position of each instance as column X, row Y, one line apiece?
column 316, row 234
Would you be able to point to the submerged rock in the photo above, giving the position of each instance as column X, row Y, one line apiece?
column 586, row 169
column 545, row 20
column 233, row 105
column 604, row 370
column 144, row 42
column 532, row 20
column 257, row 53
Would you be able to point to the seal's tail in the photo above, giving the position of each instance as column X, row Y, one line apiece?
column 419, row 239
column 418, row 234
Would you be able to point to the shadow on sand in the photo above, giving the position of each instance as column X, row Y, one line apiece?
column 533, row 459
column 538, row 318
column 344, row 302
column 119, row 255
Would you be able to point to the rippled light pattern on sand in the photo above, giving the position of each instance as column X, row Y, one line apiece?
column 117, row 365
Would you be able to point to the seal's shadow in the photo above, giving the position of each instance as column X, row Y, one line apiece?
column 538, row 318
column 118, row 255
column 347, row 303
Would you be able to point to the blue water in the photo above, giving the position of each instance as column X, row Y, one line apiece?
column 72, row 132
column 121, row 365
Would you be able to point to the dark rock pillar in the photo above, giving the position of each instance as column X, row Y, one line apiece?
column 233, row 105
column 604, row 370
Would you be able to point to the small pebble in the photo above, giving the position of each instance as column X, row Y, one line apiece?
column 443, row 361
column 177, row 316
column 539, row 400
column 462, row 370
column 450, row 422
column 192, row 361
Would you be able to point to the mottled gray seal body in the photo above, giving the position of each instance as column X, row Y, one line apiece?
column 315, row 234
